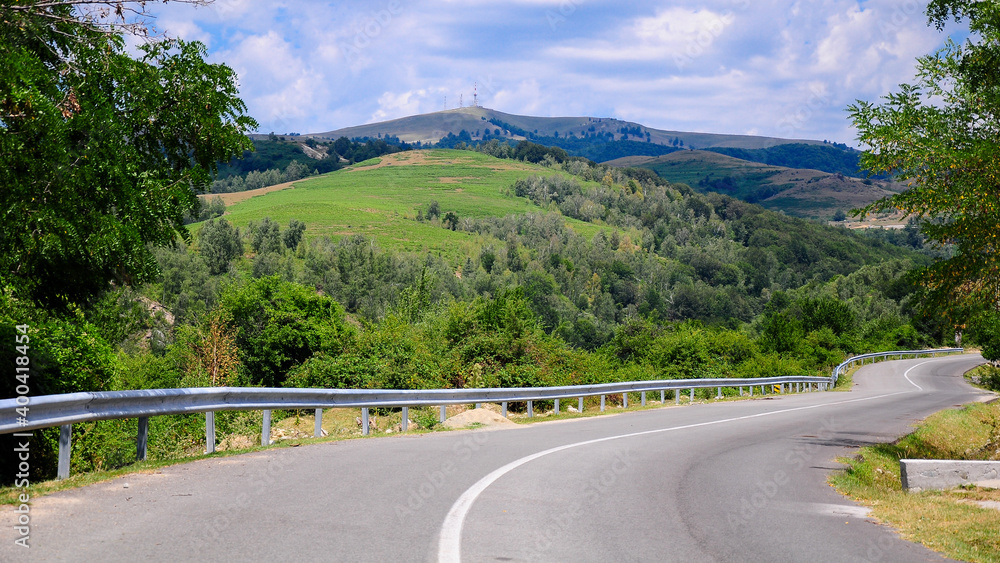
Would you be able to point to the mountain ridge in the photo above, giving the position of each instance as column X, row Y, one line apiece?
column 430, row 128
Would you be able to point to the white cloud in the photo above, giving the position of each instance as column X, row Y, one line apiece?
column 675, row 33
column 710, row 65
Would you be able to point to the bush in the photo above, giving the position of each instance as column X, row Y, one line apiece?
column 280, row 325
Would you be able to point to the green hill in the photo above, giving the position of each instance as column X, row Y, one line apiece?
column 798, row 192
column 381, row 199
column 477, row 121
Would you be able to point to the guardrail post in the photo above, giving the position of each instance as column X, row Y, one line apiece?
column 692, row 395
column 405, row 424
column 65, row 449
column 663, row 396
column 479, row 405
column 580, row 403
column 677, row 396
column 443, row 414
column 503, row 406
column 625, row 400
column 602, row 403
column 210, row 432
column 265, row 429
column 531, row 409
column 364, row 421
column 643, row 398
column 557, row 406
column 719, row 396
column 751, row 390
column 142, row 438
column 318, row 430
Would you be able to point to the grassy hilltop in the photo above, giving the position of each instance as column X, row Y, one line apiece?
column 381, row 199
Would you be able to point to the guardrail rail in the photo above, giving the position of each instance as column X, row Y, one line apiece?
column 64, row 410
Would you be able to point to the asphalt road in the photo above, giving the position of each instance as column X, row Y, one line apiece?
column 737, row 481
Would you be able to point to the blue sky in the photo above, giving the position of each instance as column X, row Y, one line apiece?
column 766, row 67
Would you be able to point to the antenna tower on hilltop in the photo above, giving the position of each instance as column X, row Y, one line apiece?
column 475, row 95
column 446, row 102
column 461, row 104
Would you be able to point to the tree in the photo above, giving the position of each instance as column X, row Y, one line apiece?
column 265, row 236
column 940, row 136
column 101, row 154
column 293, row 234
column 220, row 242
column 280, row 324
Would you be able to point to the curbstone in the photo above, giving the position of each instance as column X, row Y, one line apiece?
column 929, row 474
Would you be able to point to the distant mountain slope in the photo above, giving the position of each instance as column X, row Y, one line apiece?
column 833, row 158
column 477, row 121
column 799, row 192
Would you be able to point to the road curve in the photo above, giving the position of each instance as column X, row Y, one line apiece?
column 743, row 481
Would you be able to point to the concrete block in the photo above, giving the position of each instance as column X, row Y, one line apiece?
column 925, row 474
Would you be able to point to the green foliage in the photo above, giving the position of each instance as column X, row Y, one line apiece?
column 280, row 325
column 987, row 333
column 834, row 159
column 781, row 333
column 936, row 135
column 827, row 313
column 265, row 236
column 219, row 243
column 99, row 151
column 188, row 288
column 293, row 235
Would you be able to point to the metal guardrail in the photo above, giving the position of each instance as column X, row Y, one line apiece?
column 837, row 371
column 67, row 409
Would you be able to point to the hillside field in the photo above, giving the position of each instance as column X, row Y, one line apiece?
column 795, row 191
column 380, row 199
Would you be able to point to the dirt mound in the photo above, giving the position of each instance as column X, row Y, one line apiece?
column 477, row 417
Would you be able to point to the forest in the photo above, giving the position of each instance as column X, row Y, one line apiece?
column 674, row 285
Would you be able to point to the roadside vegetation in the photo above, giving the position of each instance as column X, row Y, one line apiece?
column 472, row 271
column 950, row 521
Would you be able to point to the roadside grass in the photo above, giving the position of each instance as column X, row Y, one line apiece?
column 985, row 377
column 945, row 521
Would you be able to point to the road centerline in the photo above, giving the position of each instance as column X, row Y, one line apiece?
column 450, row 536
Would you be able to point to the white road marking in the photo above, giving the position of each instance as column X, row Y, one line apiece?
column 906, row 374
column 450, row 537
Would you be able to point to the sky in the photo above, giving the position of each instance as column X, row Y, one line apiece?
column 763, row 67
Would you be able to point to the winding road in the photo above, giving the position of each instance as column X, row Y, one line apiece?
column 733, row 481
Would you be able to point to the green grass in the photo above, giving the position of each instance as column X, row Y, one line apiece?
column 382, row 202
column 945, row 521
